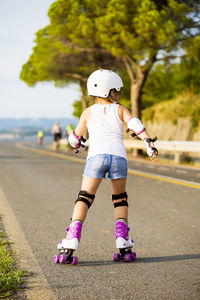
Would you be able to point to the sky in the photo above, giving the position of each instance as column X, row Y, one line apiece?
column 19, row 21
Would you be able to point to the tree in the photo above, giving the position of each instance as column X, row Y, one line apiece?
column 137, row 32
column 52, row 60
column 167, row 81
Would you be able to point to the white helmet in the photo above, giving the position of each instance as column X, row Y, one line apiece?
column 100, row 83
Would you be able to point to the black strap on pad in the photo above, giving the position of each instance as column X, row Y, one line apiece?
column 149, row 140
column 86, row 201
column 83, row 139
column 120, row 196
column 122, row 202
column 132, row 134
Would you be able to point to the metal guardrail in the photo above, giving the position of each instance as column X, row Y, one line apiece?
column 177, row 147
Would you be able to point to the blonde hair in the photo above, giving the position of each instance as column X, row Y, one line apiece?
column 110, row 98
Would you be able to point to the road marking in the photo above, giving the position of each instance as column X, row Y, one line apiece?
column 189, row 184
column 163, row 168
column 37, row 284
column 150, row 166
column 181, row 171
column 54, row 154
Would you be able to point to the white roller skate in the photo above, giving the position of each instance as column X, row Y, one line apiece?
column 123, row 242
column 67, row 246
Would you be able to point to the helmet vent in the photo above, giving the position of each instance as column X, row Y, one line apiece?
column 95, row 85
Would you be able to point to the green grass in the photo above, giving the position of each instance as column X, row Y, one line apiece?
column 11, row 276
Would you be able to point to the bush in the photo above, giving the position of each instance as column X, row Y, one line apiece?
column 185, row 106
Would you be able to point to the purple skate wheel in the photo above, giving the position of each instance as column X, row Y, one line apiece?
column 56, row 259
column 67, row 261
column 133, row 255
column 128, row 257
column 116, row 257
column 74, row 260
column 62, row 258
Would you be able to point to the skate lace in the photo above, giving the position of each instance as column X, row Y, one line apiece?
column 122, row 231
column 74, row 231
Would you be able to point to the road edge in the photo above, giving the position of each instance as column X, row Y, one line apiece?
column 37, row 286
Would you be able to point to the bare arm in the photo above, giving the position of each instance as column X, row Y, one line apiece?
column 82, row 124
column 76, row 136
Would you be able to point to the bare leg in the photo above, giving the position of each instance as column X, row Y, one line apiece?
column 90, row 185
column 119, row 187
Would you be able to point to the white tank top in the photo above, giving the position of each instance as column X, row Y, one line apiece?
column 105, row 131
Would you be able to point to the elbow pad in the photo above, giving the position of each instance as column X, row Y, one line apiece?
column 135, row 125
column 74, row 140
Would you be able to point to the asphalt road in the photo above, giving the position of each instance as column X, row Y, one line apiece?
column 183, row 172
column 163, row 217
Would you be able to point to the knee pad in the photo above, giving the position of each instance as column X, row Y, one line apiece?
column 83, row 195
column 123, row 197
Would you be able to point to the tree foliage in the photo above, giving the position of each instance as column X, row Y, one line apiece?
column 167, row 81
column 135, row 32
column 53, row 60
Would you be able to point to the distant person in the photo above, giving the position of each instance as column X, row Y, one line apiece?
column 57, row 135
column 40, row 136
column 69, row 129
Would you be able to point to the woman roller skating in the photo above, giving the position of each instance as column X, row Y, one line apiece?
column 106, row 155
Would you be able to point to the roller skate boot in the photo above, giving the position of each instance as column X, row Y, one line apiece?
column 67, row 246
column 123, row 242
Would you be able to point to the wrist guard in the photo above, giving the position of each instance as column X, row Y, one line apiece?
column 82, row 146
column 150, row 149
column 74, row 139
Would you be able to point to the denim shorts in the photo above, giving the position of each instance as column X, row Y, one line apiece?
column 98, row 165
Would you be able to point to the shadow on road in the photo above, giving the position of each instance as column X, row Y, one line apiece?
column 157, row 259
column 167, row 258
